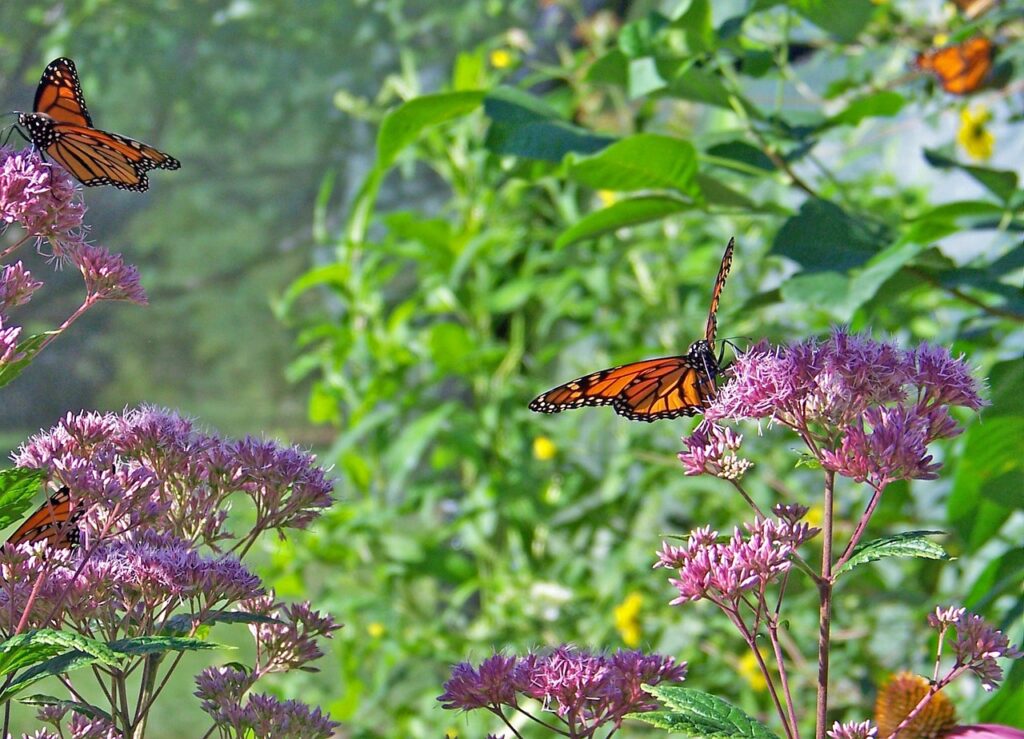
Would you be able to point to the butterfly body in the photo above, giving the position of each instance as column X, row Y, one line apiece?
column 651, row 389
column 62, row 127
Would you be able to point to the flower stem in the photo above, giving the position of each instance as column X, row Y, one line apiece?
column 825, row 607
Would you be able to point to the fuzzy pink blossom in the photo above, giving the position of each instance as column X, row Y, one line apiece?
column 977, row 646
column 42, row 198
column 853, row 730
column 16, row 286
column 711, row 449
column 108, row 276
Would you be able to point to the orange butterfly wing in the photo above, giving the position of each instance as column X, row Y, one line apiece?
column 961, row 69
column 59, row 94
column 54, row 521
column 62, row 127
column 652, row 389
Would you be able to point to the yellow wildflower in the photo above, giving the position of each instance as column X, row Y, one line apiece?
column 940, row 39
column 627, row 619
column 501, row 59
column 375, row 629
column 815, row 516
column 899, row 695
column 974, row 136
column 544, row 449
column 750, row 671
column 607, row 197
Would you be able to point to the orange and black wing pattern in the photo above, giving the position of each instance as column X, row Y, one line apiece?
column 652, row 389
column 962, row 68
column 55, row 521
column 59, row 94
column 62, row 127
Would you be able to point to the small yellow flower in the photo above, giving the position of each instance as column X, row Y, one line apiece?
column 974, row 136
column 501, row 59
column 607, row 197
column 899, row 695
column 940, row 39
column 627, row 619
column 544, row 449
column 750, row 671
column 375, row 629
column 815, row 516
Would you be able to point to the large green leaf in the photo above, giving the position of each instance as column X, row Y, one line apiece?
column 86, row 709
column 992, row 465
column 33, row 647
column 883, row 104
column 844, row 20
column 59, row 665
column 404, row 124
column 183, row 623
column 18, row 486
column 141, row 646
column 701, row 86
column 695, row 22
column 623, row 213
column 1003, row 575
column 824, row 237
column 905, row 544
column 644, row 161
column 699, row 714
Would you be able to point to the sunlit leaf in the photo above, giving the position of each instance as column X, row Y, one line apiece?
column 905, row 544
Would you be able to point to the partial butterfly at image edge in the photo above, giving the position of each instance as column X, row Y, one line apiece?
column 651, row 389
column 60, row 125
column 961, row 68
column 54, row 521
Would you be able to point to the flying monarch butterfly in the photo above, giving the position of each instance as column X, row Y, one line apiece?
column 962, row 68
column 652, row 389
column 62, row 127
column 54, row 521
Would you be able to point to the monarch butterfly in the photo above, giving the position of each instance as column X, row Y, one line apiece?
column 62, row 127
column 961, row 68
column 652, row 389
column 54, row 521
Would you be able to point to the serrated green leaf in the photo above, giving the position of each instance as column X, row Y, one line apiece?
column 18, row 486
column 623, row 213
column 32, row 647
column 699, row 714
column 404, row 124
column 643, row 161
column 906, row 544
column 58, row 665
column 147, row 645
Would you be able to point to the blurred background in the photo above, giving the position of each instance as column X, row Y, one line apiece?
column 395, row 308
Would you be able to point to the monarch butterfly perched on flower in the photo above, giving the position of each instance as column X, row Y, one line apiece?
column 652, row 389
column 961, row 68
column 62, row 127
column 55, row 521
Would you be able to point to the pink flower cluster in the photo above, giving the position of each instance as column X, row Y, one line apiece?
column 866, row 409
column 722, row 571
column 585, row 691
column 976, row 645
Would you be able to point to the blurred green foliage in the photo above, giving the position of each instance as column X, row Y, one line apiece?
column 550, row 192
column 570, row 215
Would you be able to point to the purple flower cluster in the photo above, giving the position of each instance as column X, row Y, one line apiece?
column 853, row 730
column 711, row 449
column 976, row 645
column 287, row 642
column 222, row 691
column 42, row 198
column 722, row 571
column 866, row 409
column 586, row 691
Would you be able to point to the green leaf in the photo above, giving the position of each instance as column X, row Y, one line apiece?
column 696, row 23
column 643, row 161
column 623, row 213
column 140, row 646
column 404, row 124
column 524, row 125
column 844, row 20
column 18, row 486
column 716, row 192
column 1007, row 705
column 27, row 349
column 905, row 544
column 636, row 39
column 183, row 623
column 86, row 709
column 823, row 237
column 1005, row 380
column 1004, row 574
column 643, row 77
column 865, row 282
column 1000, row 182
column 704, row 87
column 699, row 714
column 33, row 647
column 828, row 291
column 884, row 104
column 992, row 465
column 59, row 665
column 741, row 151
column 610, row 69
